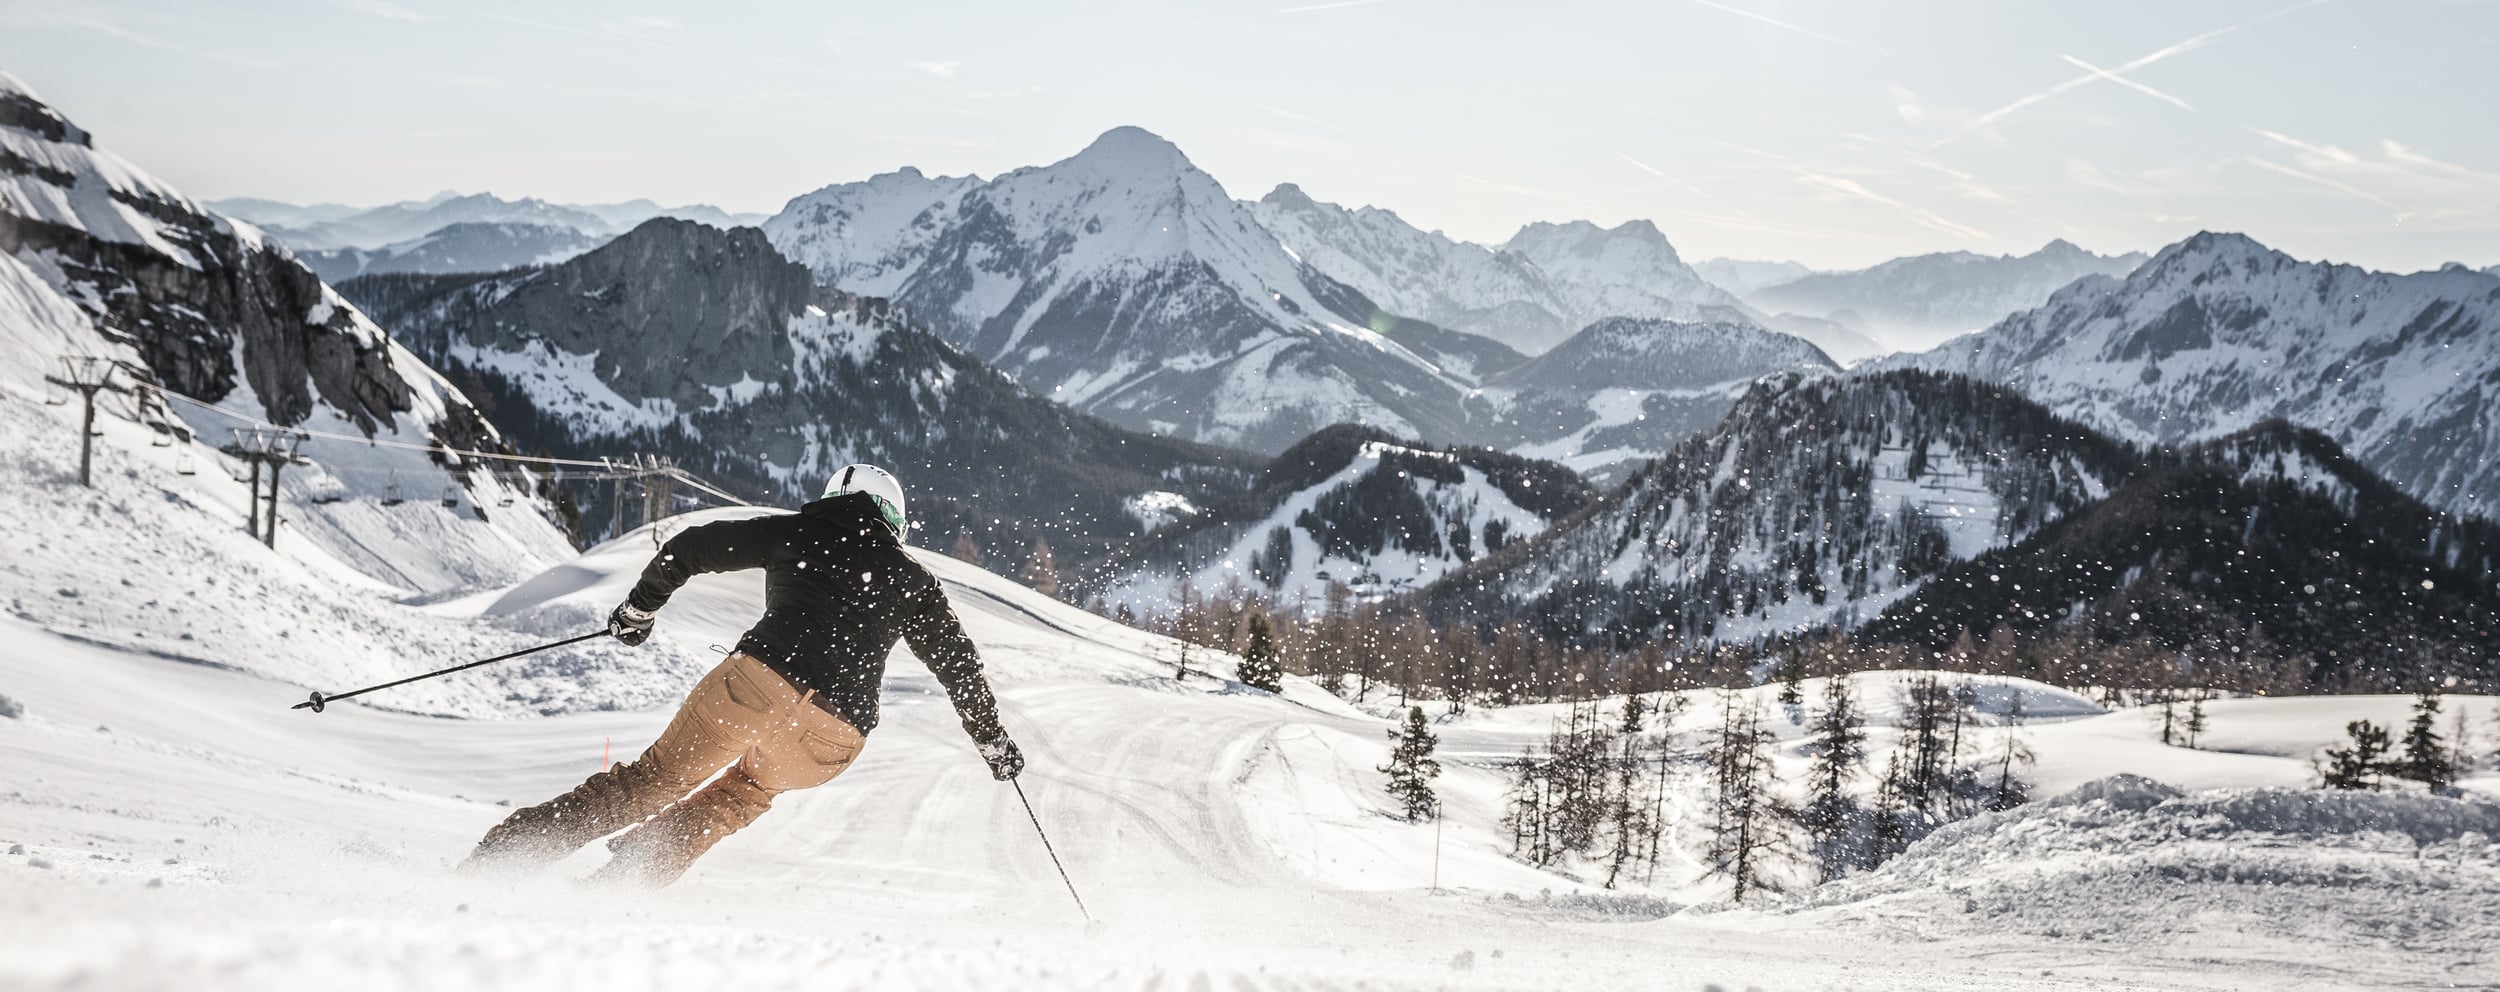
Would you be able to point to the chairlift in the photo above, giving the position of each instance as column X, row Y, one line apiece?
column 53, row 394
column 451, row 497
column 183, row 464
column 505, row 501
column 390, row 493
column 164, row 438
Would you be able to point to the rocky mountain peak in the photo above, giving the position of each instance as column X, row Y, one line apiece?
column 1290, row 197
column 2216, row 250
column 1133, row 151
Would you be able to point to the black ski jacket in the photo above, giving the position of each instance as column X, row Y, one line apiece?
column 838, row 592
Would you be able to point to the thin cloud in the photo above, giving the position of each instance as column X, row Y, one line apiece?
column 1330, row 6
column 2311, row 177
column 106, row 27
column 1968, row 184
column 1695, row 190
column 1795, row 28
column 942, row 70
column 2126, row 82
column 2399, row 153
column 385, row 10
column 2327, row 152
column 1925, row 217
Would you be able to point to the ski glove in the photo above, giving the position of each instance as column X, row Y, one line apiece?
column 630, row 625
column 1005, row 758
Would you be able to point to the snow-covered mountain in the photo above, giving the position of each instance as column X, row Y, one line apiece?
column 1742, row 276
column 1623, row 391
column 1542, row 286
column 330, row 226
column 1818, row 501
column 1918, row 301
column 709, row 347
column 1124, row 282
column 2218, row 333
column 1350, row 507
column 1842, row 335
column 464, row 247
column 867, row 237
column 2266, row 543
column 100, row 259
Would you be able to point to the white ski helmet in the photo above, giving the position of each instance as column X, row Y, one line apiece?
column 877, row 483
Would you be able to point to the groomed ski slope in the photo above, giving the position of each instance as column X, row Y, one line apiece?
column 181, row 828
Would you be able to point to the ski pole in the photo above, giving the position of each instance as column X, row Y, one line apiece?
column 1054, row 853
column 319, row 701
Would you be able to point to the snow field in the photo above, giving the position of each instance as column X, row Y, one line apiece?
column 195, row 832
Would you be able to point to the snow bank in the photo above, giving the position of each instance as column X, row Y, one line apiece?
column 2274, row 872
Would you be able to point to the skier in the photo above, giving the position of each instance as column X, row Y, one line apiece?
column 790, row 708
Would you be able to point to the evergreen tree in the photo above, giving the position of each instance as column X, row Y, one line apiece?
column 966, row 548
column 1260, row 667
column 1412, row 768
column 1040, row 571
column 1792, row 679
column 1840, row 747
column 2358, row 766
column 2426, row 758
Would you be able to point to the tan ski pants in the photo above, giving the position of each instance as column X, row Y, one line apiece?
column 743, row 715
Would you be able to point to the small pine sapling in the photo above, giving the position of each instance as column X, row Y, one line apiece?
column 2425, row 757
column 1260, row 667
column 2358, row 766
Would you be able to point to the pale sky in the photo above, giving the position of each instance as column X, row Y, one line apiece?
column 1833, row 133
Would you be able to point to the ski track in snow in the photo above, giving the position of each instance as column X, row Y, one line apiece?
column 180, row 827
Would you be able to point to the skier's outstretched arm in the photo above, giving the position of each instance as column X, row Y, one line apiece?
column 937, row 638
column 727, row 546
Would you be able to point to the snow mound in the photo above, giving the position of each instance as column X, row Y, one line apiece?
column 2247, row 872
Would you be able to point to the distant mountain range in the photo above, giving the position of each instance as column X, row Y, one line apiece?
column 1625, row 390
column 1742, row 276
column 1125, row 282
column 465, row 247
column 325, row 227
column 707, row 346
column 1540, row 287
column 1918, row 301
column 2218, row 333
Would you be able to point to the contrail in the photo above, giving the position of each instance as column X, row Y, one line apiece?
column 2101, row 73
column 1785, row 26
column 2189, row 45
column 1695, row 190
column 2320, row 180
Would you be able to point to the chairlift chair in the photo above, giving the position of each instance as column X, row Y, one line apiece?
column 451, row 497
column 183, row 464
column 390, row 493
